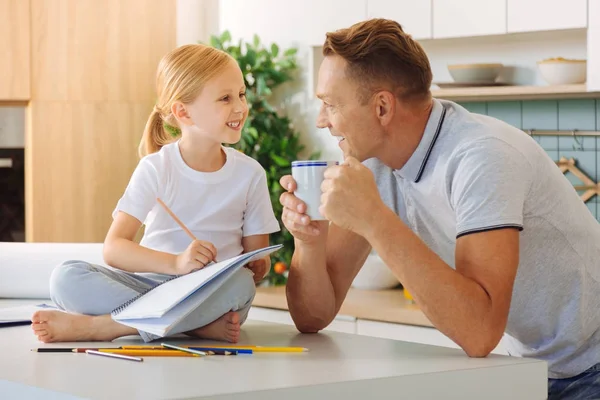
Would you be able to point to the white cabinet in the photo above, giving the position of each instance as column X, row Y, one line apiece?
column 410, row 333
column 322, row 16
column 341, row 323
column 289, row 23
column 414, row 16
column 458, row 18
column 526, row 15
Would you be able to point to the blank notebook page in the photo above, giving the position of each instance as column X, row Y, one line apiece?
column 162, row 298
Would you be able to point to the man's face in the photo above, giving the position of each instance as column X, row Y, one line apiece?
column 354, row 124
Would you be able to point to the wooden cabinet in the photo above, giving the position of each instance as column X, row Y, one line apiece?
column 14, row 50
column 93, row 87
column 458, row 18
column 414, row 16
column 526, row 15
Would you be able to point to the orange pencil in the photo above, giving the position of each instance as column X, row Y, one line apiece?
column 159, row 353
column 168, row 210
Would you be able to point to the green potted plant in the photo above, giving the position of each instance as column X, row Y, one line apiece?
column 267, row 136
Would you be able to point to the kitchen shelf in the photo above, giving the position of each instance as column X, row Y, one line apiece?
column 497, row 93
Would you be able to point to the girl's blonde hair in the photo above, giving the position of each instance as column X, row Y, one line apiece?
column 180, row 77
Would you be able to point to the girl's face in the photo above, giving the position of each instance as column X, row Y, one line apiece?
column 219, row 112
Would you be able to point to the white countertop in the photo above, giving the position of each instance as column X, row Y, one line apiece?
column 354, row 366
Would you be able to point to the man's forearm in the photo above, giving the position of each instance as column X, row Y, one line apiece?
column 458, row 306
column 310, row 295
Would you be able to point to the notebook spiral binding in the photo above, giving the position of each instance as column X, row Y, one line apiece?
column 128, row 302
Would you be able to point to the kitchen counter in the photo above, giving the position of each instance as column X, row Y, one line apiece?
column 376, row 305
column 338, row 365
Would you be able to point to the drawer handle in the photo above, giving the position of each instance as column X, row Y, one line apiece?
column 6, row 162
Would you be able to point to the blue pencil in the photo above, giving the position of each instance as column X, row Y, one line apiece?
column 220, row 349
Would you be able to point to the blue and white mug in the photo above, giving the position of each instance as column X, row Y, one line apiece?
column 309, row 176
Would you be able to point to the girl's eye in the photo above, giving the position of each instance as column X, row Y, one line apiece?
column 243, row 94
column 226, row 98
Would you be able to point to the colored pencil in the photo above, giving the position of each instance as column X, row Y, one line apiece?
column 256, row 349
column 225, row 351
column 119, row 356
column 261, row 349
column 185, row 350
column 52, row 350
column 181, row 224
column 153, row 353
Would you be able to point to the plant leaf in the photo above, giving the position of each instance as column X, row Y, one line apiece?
column 282, row 162
column 274, row 50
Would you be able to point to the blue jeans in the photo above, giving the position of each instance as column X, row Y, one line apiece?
column 83, row 288
column 580, row 387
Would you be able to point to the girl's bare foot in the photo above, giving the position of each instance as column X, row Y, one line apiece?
column 226, row 328
column 57, row 326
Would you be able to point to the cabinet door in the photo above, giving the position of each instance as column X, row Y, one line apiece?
column 14, row 49
column 93, row 73
column 458, row 18
column 289, row 23
column 558, row 14
column 414, row 16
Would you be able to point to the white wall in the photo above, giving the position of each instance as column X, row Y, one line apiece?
column 196, row 20
column 284, row 22
column 12, row 127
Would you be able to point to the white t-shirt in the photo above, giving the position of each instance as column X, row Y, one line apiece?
column 220, row 207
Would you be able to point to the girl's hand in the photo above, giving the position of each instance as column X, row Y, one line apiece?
column 260, row 268
column 198, row 254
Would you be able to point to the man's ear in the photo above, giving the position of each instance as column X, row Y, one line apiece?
column 179, row 110
column 385, row 104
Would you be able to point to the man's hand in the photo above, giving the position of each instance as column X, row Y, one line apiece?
column 293, row 216
column 260, row 268
column 350, row 196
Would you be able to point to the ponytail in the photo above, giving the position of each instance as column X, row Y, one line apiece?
column 155, row 135
column 181, row 75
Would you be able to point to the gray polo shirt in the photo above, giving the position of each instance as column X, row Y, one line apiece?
column 473, row 173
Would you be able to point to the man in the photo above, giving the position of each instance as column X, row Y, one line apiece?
column 469, row 213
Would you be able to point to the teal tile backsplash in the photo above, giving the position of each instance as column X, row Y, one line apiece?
column 579, row 114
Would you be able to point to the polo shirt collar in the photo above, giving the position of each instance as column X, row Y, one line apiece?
column 414, row 167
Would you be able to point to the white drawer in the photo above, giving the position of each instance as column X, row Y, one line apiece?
column 341, row 323
column 410, row 333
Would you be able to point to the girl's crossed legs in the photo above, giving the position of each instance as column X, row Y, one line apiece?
column 88, row 293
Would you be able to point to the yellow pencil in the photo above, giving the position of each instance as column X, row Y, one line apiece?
column 256, row 349
column 149, row 352
column 259, row 349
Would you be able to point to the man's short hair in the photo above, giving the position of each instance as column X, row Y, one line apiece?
column 381, row 56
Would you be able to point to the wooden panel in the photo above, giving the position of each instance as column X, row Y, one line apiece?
column 90, row 50
column 80, row 157
column 517, row 92
column 14, row 50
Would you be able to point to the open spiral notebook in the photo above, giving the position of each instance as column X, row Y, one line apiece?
column 159, row 309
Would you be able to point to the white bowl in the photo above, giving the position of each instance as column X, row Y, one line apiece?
column 560, row 71
column 375, row 275
column 475, row 73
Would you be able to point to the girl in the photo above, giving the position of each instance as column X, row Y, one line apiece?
column 220, row 194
